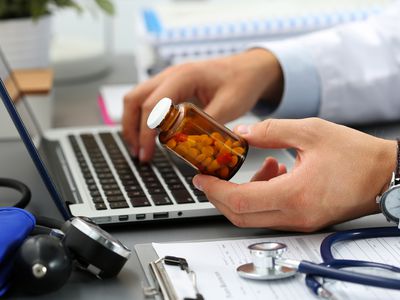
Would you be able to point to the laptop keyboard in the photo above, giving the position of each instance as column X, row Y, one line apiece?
column 114, row 184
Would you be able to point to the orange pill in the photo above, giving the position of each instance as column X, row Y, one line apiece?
column 206, row 140
column 224, row 150
column 171, row 144
column 193, row 152
column 213, row 166
column 206, row 162
column 218, row 145
column 228, row 143
column 181, row 148
column 191, row 141
column 201, row 157
column 217, row 136
column 234, row 161
column 207, row 150
column 224, row 172
column 196, row 138
column 238, row 150
column 236, row 144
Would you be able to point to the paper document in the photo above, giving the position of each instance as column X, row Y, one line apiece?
column 111, row 102
column 215, row 266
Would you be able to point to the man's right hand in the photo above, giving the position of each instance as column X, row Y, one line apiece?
column 226, row 87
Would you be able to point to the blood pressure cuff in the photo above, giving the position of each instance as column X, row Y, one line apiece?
column 15, row 226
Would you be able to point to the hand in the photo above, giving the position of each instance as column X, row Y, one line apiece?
column 338, row 173
column 227, row 87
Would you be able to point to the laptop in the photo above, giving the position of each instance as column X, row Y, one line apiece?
column 88, row 171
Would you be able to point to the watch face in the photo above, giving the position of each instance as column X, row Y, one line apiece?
column 391, row 204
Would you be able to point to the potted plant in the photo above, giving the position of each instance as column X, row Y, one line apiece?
column 25, row 28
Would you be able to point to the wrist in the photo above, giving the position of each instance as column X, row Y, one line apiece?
column 389, row 163
column 269, row 73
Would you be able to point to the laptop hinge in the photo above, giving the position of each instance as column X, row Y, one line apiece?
column 61, row 173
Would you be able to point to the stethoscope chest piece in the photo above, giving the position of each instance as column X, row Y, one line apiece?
column 265, row 265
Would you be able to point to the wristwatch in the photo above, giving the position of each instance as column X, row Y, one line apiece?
column 389, row 201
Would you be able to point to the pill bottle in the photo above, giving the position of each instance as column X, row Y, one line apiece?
column 206, row 145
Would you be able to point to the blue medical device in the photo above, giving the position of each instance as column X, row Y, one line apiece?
column 269, row 264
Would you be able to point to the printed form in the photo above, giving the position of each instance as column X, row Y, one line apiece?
column 215, row 264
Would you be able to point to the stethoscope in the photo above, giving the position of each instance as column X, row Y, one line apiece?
column 269, row 263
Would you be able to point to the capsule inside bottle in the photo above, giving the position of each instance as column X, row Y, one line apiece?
column 198, row 139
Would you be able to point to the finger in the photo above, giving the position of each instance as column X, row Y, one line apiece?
column 248, row 197
column 268, row 170
column 260, row 219
column 177, row 87
column 282, row 169
column 132, row 107
column 275, row 219
column 218, row 109
column 273, row 133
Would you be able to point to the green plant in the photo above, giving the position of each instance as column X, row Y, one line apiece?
column 11, row 9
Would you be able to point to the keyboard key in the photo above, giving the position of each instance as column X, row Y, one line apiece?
column 97, row 200
column 202, row 198
column 110, row 187
column 100, row 206
column 197, row 192
column 140, row 201
column 95, row 193
column 153, row 185
column 158, row 190
column 90, row 180
column 150, row 179
column 169, row 175
column 133, row 188
column 161, row 199
column 115, row 198
column 111, row 193
column 176, row 186
column 182, row 196
column 92, row 187
column 108, row 181
column 172, row 181
column 121, row 204
column 135, row 194
column 129, row 182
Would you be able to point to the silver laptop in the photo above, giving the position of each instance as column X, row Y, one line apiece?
column 89, row 172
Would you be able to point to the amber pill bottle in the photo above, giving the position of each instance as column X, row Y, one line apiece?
column 206, row 145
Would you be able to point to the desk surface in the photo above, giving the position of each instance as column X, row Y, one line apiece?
column 73, row 98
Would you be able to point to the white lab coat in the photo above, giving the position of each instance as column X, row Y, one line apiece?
column 358, row 66
column 359, row 69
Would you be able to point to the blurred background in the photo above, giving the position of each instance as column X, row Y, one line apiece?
column 78, row 57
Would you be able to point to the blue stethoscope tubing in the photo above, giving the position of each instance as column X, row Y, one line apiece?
column 330, row 268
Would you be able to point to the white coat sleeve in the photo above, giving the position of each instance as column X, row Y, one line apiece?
column 358, row 67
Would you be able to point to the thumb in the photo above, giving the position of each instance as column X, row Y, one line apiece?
column 273, row 133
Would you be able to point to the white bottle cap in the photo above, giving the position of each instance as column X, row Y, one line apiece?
column 159, row 112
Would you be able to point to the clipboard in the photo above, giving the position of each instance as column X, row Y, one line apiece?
column 160, row 285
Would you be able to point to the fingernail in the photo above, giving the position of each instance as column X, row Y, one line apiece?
column 243, row 129
column 141, row 154
column 196, row 183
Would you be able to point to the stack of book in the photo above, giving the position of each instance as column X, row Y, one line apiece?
column 186, row 30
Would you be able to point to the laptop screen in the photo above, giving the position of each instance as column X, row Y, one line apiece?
column 20, row 105
column 29, row 130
